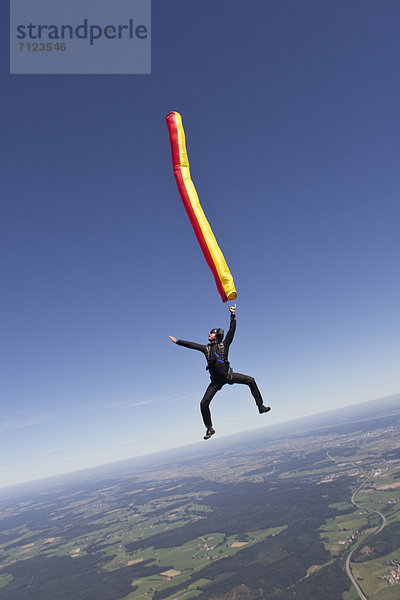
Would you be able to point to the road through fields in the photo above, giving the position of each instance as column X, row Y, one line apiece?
column 382, row 525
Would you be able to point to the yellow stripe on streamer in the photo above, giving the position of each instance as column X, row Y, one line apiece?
column 212, row 253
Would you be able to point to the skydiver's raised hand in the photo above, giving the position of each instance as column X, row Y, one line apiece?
column 172, row 339
column 232, row 309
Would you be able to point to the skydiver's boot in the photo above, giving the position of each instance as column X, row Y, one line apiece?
column 263, row 409
column 210, row 431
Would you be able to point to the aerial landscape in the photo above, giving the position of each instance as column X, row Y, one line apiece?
column 305, row 509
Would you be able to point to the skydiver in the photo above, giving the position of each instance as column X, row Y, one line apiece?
column 216, row 353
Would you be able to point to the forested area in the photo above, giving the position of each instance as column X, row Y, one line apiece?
column 385, row 542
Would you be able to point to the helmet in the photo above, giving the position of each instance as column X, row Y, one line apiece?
column 219, row 334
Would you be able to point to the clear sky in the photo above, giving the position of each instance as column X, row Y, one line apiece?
column 291, row 112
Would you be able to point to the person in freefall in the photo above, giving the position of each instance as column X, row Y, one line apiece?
column 216, row 353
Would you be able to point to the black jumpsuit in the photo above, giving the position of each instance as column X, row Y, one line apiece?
column 221, row 373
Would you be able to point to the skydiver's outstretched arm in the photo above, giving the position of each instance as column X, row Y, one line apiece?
column 232, row 328
column 191, row 345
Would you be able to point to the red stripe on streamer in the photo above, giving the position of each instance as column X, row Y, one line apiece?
column 174, row 139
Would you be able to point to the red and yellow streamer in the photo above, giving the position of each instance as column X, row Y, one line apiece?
column 212, row 253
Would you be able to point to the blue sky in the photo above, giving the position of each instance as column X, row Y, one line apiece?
column 292, row 127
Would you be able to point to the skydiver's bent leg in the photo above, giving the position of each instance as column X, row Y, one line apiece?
column 205, row 404
column 250, row 381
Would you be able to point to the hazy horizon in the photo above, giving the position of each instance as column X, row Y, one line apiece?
column 209, row 446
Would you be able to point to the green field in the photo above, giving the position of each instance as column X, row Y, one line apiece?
column 5, row 579
column 187, row 560
column 368, row 573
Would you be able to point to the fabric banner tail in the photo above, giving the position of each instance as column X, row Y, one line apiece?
column 212, row 253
